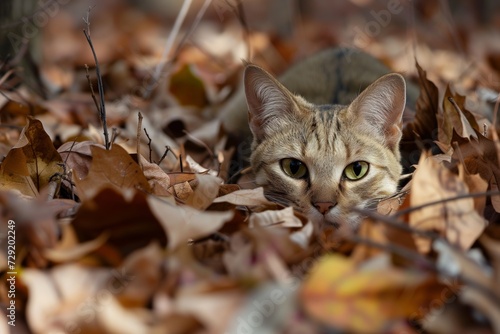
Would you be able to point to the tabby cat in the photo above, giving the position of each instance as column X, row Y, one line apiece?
column 325, row 159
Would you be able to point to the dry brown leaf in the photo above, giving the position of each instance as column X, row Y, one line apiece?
column 202, row 306
column 425, row 124
column 176, row 178
column 282, row 218
column 32, row 162
column 69, row 249
column 459, row 120
column 110, row 168
column 492, row 247
column 372, row 231
column 35, row 224
column 59, row 298
column 158, row 180
column 182, row 191
column 78, row 156
column 252, row 197
column 144, row 267
column 476, row 184
column 456, row 220
column 126, row 219
column 495, row 200
column 207, row 189
column 183, row 223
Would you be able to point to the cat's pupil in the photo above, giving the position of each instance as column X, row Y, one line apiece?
column 294, row 166
column 357, row 168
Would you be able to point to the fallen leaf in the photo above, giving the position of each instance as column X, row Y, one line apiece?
column 183, row 223
column 207, row 188
column 110, row 168
column 187, row 87
column 144, row 267
column 457, row 219
column 69, row 249
column 480, row 287
column 282, row 218
column 252, row 197
column 125, row 218
column 424, row 126
column 339, row 293
column 32, row 162
column 158, row 180
column 457, row 118
column 78, row 156
column 35, row 224
column 58, row 298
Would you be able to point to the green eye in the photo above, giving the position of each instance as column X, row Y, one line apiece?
column 357, row 170
column 294, row 168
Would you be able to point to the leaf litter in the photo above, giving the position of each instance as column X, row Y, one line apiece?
column 153, row 236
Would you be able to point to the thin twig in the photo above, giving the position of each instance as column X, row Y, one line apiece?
column 445, row 200
column 180, row 163
column 394, row 222
column 92, row 93
column 495, row 113
column 168, row 46
column 396, row 249
column 194, row 25
column 100, row 86
column 149, row 145
column 138, row 140
column 167, row 149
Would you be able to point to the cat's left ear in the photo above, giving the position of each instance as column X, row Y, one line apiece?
column 379, row 109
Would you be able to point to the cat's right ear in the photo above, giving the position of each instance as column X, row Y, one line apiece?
column 270, row 104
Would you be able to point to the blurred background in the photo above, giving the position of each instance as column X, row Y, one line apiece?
column 42, row 43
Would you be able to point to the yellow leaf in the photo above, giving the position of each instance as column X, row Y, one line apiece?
column 344, row 295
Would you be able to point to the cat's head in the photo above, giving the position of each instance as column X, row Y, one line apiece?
column 325, row 159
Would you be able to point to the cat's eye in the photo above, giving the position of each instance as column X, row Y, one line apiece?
column 357, row 170
column 294, row 168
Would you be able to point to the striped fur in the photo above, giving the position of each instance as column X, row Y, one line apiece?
column 326, row 138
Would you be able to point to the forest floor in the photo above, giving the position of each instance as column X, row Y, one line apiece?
column 130, row 223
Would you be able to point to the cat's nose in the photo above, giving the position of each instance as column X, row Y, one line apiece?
column 324, row 207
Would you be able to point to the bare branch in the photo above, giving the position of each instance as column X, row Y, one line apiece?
column 100, row 86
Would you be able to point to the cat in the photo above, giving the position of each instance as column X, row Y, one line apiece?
column 325, row 159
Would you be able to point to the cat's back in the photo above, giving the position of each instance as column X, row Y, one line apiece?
column 332, row 76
